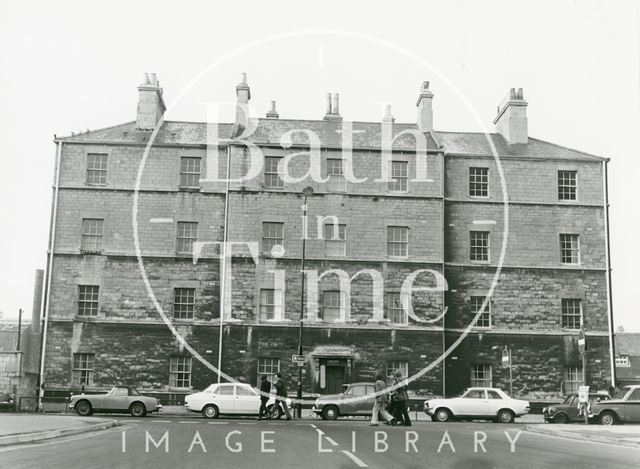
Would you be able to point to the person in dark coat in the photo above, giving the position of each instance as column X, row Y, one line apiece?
column 281, row 394
column 265, row 388
column 399, row 400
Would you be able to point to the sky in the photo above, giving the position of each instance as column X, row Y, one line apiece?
column 69, row 66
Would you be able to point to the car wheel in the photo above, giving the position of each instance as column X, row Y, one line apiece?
column 137, row 409
column 274, row 412
column 608, row 418
column 330, row 412
column 560, row 418
column 505, row 416
column 84, row 408
column 442, row 415
column 210, row 411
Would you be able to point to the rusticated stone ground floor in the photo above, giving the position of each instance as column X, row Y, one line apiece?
column 148, row 356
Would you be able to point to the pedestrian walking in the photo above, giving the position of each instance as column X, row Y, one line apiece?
column 265, row 388
column 399, row 400
column 379, row 403
column 281, row 395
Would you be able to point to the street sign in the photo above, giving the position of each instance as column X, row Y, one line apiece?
column 505, row 358
column 582, row 342
column 583, row 394
column 299, row 359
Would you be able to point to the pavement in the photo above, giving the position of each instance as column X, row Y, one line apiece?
column 625, row 435
column 23, row 428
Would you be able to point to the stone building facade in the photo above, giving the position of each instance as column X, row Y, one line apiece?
column 136, row 279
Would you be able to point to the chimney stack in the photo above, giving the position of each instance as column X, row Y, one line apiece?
column 388, row 117
column 511, row 121
column 333, row 107
column 272, row 113
column 243, row 93
column 425, row 108
column 151, row 105
column 37, row 301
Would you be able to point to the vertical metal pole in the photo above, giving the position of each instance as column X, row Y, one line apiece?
column 19, row 329
column 304, row 238
column 612, row 336
column 223, row 274
column 510, row 374
column 584, row 383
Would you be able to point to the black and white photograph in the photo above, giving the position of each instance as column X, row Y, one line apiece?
column 319, row 234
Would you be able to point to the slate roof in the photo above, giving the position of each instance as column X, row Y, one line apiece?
column 366, row 135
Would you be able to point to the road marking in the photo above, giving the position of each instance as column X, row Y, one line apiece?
column 163, row 421
column 247, row 423
column 218, row 423
column 186, row 421
column 331, row 440
column 312, row 425
column 355, row 458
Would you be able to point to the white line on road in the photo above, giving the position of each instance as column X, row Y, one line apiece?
column 163, row 421
column 331, row 440
column 247, row 423
column 355, row 458
column 186, row 421
column 312, row 425
column 63, row 439
column 218, row 423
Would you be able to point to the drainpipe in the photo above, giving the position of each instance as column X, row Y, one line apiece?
column 444, row 294
column 223, row 274
column 47, row 294
column 612, row 344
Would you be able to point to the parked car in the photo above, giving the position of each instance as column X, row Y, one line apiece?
column 119, row 399
column 477, row 403
column 331, row 406
column 567, row 410
column 623, row 407
column 7, row 402
column 230, row 399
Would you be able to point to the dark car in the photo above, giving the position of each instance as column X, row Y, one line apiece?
column 567, row 410
column 7, row 402
column 352, row 401
column 623, row 407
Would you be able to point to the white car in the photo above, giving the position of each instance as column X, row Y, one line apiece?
column 230, row 399
column 477, row 403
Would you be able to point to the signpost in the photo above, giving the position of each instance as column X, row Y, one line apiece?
column 583, row 391
column 299, row 359
column 506, row 363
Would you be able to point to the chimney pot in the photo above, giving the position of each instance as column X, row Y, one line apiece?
column 243, row 78
column 388, row 117
column 273, row 113
column 336, row 104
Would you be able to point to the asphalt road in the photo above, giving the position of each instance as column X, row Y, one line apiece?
column 237, row 443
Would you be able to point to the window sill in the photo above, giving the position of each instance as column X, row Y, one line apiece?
column 96, row 252
column 480, row 262
column 189, row 189
column 95, row 184
column 481, row 197
column 397, row 192
column 397, row 258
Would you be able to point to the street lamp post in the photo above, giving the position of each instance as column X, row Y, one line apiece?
column 307, row 191
column 506, row 363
